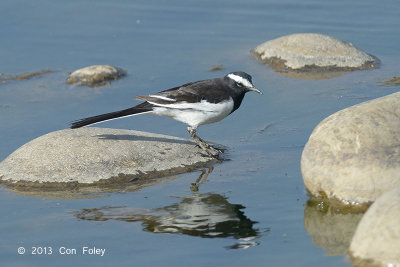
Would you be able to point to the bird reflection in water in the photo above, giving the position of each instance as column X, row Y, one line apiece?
column 206, row 215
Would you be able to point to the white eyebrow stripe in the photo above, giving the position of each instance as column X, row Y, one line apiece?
column 241, row 80
column 163, row 98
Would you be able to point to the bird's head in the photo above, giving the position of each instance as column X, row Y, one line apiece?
column 242, row 81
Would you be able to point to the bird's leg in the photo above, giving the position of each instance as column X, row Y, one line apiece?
column 211, row 151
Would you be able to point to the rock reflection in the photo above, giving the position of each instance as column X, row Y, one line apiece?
column 330, row 228
column 311, row 75
column 77, row 191
column 204, row 215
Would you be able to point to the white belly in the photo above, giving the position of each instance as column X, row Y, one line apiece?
column 195, row 114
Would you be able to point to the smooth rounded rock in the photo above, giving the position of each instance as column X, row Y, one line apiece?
column 376, row 241
column 354, row 155
column 94, row 155
column 94, row 76
column 311, row 52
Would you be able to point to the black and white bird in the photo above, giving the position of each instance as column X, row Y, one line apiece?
column 194, row 103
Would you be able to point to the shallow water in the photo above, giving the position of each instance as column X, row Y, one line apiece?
column 251, row 209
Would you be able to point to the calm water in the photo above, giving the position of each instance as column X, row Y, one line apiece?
column 252, row 209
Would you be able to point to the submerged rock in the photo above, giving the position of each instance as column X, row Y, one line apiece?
column 311, row 52
column 354, row 155
column 392, row 81
column 20, row 77
column 217, row 67
column 99, row 156
column 376, row 241
column 94, row 76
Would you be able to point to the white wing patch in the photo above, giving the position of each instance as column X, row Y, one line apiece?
column 203, row 105
column 240, row 80
column 163, row 98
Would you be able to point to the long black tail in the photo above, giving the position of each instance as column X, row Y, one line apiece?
column 141, row 108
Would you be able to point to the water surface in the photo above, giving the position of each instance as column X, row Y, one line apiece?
column 252, row 210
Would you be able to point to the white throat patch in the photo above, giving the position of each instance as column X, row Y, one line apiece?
column 240, row 80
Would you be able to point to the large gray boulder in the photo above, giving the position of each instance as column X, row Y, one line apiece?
column 376, row 241
column 99, row 156
column 354, row 155
column 311, row 52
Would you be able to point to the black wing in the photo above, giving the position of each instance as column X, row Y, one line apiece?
column 213, row 91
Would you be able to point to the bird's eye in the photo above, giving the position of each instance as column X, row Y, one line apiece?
column 239, row 84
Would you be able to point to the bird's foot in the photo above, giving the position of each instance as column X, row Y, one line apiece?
column 214, row 152
column 210, row 150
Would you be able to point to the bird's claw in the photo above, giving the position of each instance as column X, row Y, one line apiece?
column 211, row 151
